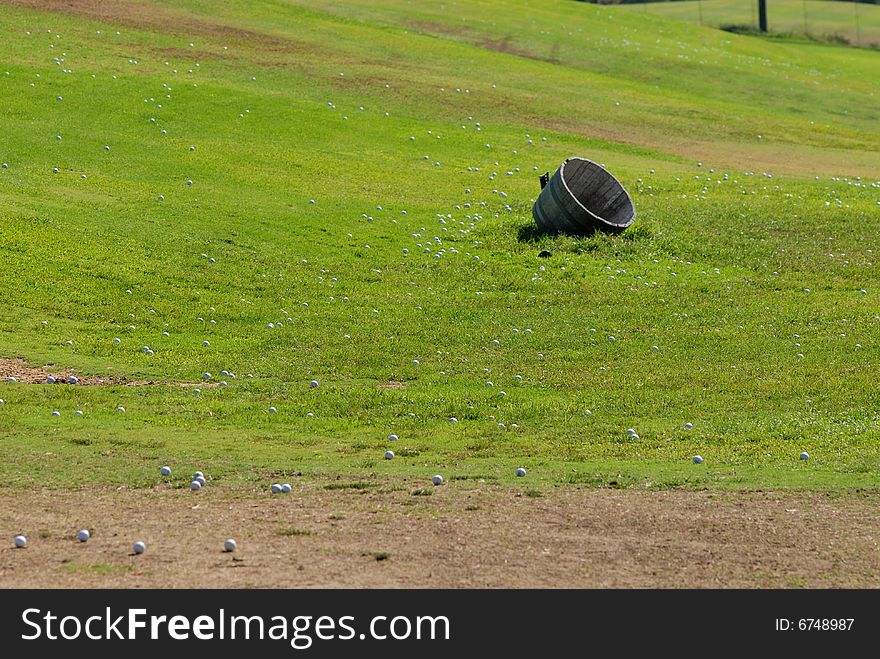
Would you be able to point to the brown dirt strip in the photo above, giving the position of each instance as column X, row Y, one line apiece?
column 459, row 538
column 27, row 374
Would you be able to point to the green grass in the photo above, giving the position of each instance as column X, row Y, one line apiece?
column 857, row 23
column 714, row 273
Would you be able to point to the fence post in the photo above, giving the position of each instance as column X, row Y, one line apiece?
column 762, row 15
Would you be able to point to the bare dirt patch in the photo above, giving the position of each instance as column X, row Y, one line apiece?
column 457, row 537
column 152, row 17
column 24, row 373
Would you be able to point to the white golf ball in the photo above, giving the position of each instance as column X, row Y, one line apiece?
column 120, row 409
column 165, row 471
column 79, row 412
column 697, row 459
column 630, row 432
column 50, row 380
column 521, row 471
column 56, row 413
column 73, row 379
column 452, row 419
column 83, row 535
column 206, row 343
column 276, row 488
column 117, row 341
column 393, row 438
column 200, row 480
column 20, row 541
column 195, row 485
column 389, row 455
column 198, row 474
column 206, row 376
column 313, row 384
column 229, row 545
column 805, row 456
column 437, row 480
column 139, row 547
column 688, row 425
column 272, row 410
column 286, row 488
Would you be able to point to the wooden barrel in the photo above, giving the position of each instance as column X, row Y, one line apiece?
column 581, row 198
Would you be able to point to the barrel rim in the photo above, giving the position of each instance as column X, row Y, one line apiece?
column 587, row 210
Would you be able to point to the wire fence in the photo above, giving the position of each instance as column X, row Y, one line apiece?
column 854, row 23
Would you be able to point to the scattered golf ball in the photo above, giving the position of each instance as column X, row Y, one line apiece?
column 83, row 535
column 200, row 480
column 805, row 456
column 521, row 471
column 389, row 455
column 165, row 471
column 56, row 413
column 139, row 547
column 50, row 380
column 79, row 412
column 276, row 488
column 73, row 379
column 393, row 438
column 20, row 541
column 195, row 485
column 313, row 384
column 272, row 410
column 120, row 409
column 206, row 343
column 437, row 480
column 697, row 459
column 229, row 545
column 688, row 425
column 286, row 488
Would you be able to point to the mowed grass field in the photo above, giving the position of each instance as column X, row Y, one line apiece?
column 858, row 23
column 362, row 179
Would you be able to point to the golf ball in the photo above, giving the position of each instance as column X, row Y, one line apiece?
column 56, row 413
column 20, row 541
column 79, row 412
column 195, row 485
column 50, row 380
column 165, row 471
column 313, row 384
column 521, row 471
column 688, row 425
column 120, row 409
column 276, row 488
column 73, row 379
column 389, row 455
column 272, row 410
column 200, row 480
column 697, row 459
column 286, row 488
column 229, row 545
column 83, row 535
column 437, row 480
column 139, row 547
column 198, row 474
column 393, row 438
column 805, row 456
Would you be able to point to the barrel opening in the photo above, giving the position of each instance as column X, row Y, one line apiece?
column 598, row 191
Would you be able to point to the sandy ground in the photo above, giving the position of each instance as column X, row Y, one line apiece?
column 458, row 538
